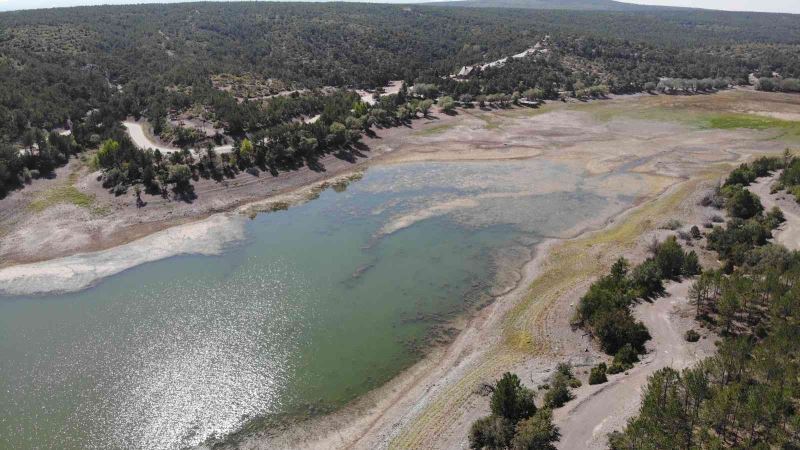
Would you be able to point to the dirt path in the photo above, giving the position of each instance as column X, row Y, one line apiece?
column 139, row 137
column 600, row 409
column 788, row 233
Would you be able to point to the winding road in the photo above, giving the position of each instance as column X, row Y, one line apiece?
column 138, row 136
column 600, row 409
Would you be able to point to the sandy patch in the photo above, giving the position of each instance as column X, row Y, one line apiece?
column 73, row 273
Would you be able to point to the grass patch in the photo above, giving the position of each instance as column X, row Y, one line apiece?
column 732, row 121
column 434, row 130
column 61, row 195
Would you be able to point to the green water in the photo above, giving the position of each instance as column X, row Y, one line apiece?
column 314, row 308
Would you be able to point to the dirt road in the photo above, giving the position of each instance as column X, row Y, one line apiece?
column 138, row 136
column 788, row 233
column 600, row 409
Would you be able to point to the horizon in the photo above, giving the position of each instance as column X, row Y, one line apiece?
column 759, row 6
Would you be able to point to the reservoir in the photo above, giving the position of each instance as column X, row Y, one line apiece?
column 311, row 308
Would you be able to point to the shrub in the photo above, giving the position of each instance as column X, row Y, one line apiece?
column 536, row 433
column 615, row 368
column 774, row 218
column 695, row 232
column 742, row 203
column 669, row 257
column 447, row 104
column 691, row 336
column 491, row 432
column 617, row 328
column 672, row 224
column 598, row 374
column 626, row 356
column 691, row 264
column 565, row 369
column 559, row 393
column 646, row 278
column 511, row 400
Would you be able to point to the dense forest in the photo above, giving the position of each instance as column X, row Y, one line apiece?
column 88, row 68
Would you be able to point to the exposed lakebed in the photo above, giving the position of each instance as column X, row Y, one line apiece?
column 300, row 312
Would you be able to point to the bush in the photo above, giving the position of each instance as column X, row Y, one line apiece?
column 511, row 400
column 646, row 278
column 615, row 368
column 670, row 258
column 626, row 356
column 774, row 218
column 618, row 328
column 598, row 374
column 491, row 432
column 536, row 433
column 565, row 369
column 695, row 232
column 559, row 392
column 691, row 264
column 742, row 203
column 691, row 336
column 447, row 104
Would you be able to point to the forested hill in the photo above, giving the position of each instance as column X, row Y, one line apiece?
column 93, row 66
column 578, row 5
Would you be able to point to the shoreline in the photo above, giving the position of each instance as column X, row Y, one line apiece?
column 364, row 422
column 199, row 237
column 524, row 326
column 436, row 418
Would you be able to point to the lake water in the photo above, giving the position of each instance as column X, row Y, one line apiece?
column 316, row 306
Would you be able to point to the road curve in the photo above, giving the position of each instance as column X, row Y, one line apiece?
column 600, row 409
column 138, row 136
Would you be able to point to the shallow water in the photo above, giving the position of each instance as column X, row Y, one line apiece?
column 315, row 306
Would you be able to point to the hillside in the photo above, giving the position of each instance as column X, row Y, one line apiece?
column 576, row 5
column 203, row 72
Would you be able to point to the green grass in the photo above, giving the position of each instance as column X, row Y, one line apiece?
column 61, row 195
column 436, row 129
column 730, row 121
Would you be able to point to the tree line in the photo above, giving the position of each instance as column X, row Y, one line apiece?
column 746, row 396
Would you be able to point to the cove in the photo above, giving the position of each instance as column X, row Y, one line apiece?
column 313, row 307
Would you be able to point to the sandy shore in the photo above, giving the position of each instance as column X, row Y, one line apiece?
column 526, row 330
